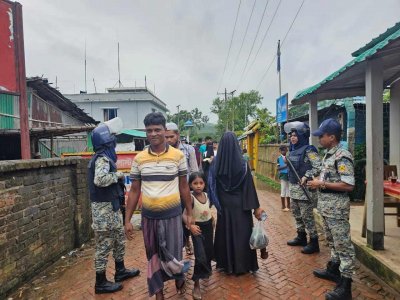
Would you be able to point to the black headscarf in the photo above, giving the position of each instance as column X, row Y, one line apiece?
column 230, row 167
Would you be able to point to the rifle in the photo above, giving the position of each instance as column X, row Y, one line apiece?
column 306, row 193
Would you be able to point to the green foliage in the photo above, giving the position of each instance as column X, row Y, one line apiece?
column 234, row 114
column 360, row 151
column 386, row 96
column 195, row 115
column 268, row 129
column 272, row 183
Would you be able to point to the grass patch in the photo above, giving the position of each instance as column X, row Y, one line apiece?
column 270, row 182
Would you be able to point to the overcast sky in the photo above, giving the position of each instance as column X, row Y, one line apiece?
column 181, row 46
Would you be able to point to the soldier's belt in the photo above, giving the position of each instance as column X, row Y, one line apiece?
column 328, row 191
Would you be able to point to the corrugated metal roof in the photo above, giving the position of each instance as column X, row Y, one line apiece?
column 377, row 40
column 51, row 95
column 377, row 43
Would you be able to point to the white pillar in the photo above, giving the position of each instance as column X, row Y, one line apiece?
column 394, row 128
column 374, row 167
column 313, row 120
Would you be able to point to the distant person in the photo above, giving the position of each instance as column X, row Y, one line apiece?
column 334, row 183
column 197, row 152
column 208, row 157
column 231, row 189
column 284, row 178
column 214, row 149
column 160, row 174
column 172, row 135
column 202, row 231
column 246, row 156
column 105, row 189
column 203, row 147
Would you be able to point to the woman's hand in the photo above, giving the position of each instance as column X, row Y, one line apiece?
column 195, row 230
column 258, row 212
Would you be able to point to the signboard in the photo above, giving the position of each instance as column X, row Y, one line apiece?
column 282, row 109
column 8, row 76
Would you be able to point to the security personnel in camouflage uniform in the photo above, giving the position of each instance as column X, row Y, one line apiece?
column 305, row 160
column 107, row 224
column 335, row 181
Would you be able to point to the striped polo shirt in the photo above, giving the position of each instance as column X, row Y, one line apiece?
column 159, row 174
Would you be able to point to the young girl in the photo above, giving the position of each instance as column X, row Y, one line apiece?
column 201, row 230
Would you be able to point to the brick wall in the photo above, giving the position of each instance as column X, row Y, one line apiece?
column 44, row 213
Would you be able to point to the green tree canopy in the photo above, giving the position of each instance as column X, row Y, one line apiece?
column 234, row 114
column 195, row 115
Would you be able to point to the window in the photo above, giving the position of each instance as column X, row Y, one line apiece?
column 110, row 113
column 153, row 110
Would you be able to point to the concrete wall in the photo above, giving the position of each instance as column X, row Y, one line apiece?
column 131, row 113
column 44, row 213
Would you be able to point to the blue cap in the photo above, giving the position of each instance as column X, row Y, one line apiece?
column 329, row 126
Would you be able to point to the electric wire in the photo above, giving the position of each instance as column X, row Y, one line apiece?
column 283, row 41
column 262, row 41
column 254, row 41
column 230, row 45
column 244, row 38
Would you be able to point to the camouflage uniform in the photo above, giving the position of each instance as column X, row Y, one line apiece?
column 107, row 224
column 334, row 207
column 302, row 209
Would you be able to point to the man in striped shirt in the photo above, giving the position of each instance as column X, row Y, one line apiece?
column 160, row 174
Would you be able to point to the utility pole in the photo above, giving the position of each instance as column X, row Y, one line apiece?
column 233, row 111
column 119, row 71
column 178, row 106
column 226, row 106
column 278, row 68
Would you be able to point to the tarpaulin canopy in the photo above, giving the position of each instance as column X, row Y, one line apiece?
column 134, row 133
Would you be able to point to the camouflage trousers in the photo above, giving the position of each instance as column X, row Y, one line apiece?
column 109, row 234
column 303, row 214
column 337, row 233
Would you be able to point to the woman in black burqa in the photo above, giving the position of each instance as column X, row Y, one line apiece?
column 231, row 189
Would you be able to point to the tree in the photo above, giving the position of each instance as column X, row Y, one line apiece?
column 234, row 113
column 268, row 128
column 195, row 115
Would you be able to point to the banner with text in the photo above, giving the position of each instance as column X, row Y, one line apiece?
column 282, row 109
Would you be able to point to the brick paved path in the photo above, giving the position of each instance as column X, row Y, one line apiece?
column 286, row 274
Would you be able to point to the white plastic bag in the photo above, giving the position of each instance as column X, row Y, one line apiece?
column 258, row 238
column 136, row 221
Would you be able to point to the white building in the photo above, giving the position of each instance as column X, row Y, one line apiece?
column 130, row 104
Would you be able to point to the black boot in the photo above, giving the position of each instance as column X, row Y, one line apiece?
column 103, row 286
column 331, row 272
column 299, row 240
column 342, row 290
column 311, row 247
column 121, row 273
